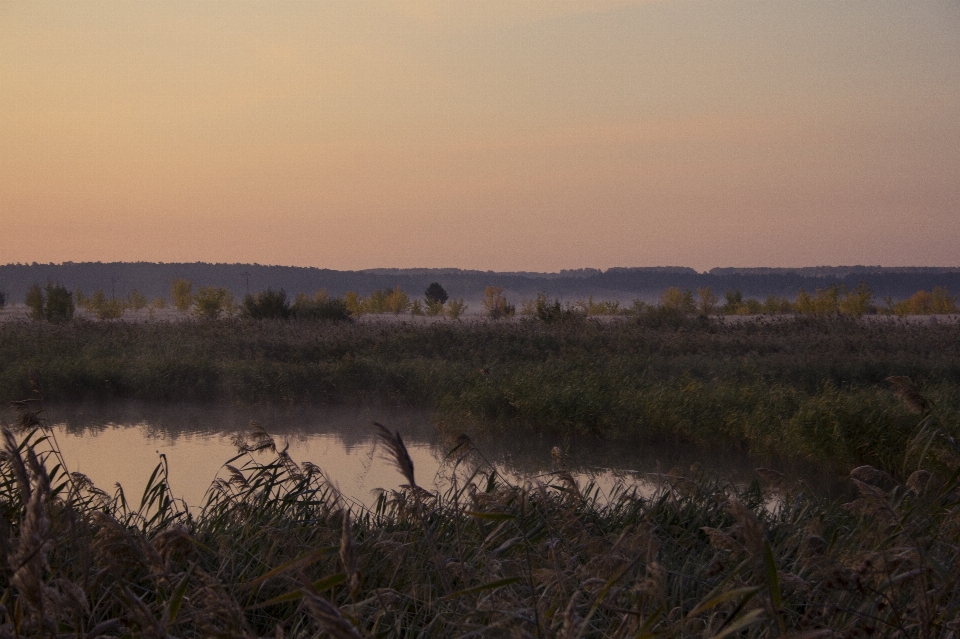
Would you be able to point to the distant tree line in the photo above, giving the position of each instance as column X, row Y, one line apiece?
column 55, row 303
column 152, row 280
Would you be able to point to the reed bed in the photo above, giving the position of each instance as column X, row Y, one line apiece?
column 275, row 551
column 800, row 387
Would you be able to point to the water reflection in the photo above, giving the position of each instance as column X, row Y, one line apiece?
column 121, row 443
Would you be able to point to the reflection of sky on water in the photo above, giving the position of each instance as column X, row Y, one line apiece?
column 122, row 442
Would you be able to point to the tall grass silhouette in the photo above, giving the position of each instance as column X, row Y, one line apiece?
column 276, row 550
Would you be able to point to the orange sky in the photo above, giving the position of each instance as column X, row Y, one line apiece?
column 494, row 135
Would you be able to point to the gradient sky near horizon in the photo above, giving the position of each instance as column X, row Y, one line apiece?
column 497, row 134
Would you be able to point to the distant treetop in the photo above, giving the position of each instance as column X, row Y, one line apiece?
column 436, row 294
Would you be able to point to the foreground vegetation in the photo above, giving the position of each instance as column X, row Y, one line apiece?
column 809, row 388
column 276, row 551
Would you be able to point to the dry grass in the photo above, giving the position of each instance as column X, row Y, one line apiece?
column 276, row 551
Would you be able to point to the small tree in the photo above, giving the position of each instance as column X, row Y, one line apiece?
column 3, row 299
column 397, row 301
column 856, row 302
column 377, row 302
column 59, row 303
column 212, row 302
column 136, row 300
column 105, row 309
column 35, row 302
column 435, row 294
column 673, row 299
column 181, row 292
column 496, row 303
column 941, row 302
column 707, row 301
column 734, row 302
column 456, row 308
column 353, row 303
column 416, row 309
column 804, row 303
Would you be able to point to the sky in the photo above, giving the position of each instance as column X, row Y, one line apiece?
column 493, row 135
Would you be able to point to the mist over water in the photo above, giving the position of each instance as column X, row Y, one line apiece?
column 122, row 443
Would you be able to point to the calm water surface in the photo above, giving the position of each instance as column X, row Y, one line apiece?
column 121, row 443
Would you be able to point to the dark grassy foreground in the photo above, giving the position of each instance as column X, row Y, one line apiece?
column 810, row 388
column 276, row 552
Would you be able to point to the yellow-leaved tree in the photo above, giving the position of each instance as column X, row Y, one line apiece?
column 181, row 293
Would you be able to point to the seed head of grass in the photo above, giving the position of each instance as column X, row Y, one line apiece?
column 396, row 454
column 329, row 617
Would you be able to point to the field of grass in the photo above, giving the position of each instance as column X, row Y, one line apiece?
column 800, row 387
column 276, row 552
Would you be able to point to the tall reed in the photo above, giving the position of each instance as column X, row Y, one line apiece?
column 276, row 550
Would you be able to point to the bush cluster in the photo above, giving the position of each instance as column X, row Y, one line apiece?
column 53, row 303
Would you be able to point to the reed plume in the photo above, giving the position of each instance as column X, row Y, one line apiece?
column 397, row 454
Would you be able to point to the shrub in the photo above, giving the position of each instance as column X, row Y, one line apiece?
column 268, row 304
column 53, row 302
column 181, row 292
column 320, row 308
column 591, row 307
column 212, row 302
column 397, row 301
column 496, row 303
column 456, row 308
column 856, row 302
column 663, row 317
column 377, row 302
column 823, row 302
column 552, row 313
column 158, row 303
column 59, row 303
column 774, row 305
column 136, row 300
column 435, row 293
column 354, row 303
column 751, row 307
column 673, row 299
column 103, row 308
column 941, row 302
column 734, row 302
column 434, row 308
column 707, row 301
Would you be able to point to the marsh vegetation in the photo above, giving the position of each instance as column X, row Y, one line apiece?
column 276, row 551
column 809, row 388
